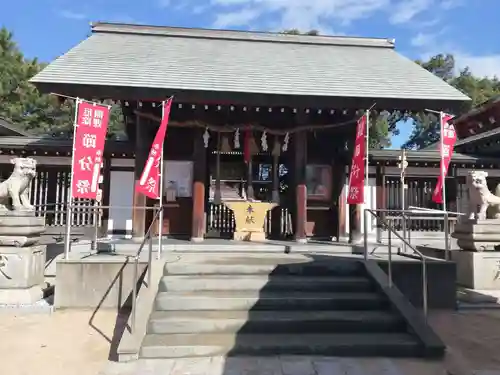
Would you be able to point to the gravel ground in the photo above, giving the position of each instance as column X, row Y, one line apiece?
column 60, row 343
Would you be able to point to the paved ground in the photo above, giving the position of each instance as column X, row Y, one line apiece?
column 276, row 366
column 53, row 344
column 473, row 336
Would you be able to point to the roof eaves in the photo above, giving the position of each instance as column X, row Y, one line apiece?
column 53, row 142
column 13, row 128
column 478, row 109
column 421, row 155
column 248, row 36
column 478, row 137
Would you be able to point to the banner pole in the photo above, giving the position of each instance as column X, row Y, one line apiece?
column 367, row 168
column 160, row 216
column 441, row 116
column 69, row 214
column 443, row 176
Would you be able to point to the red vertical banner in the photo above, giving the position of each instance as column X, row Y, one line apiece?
column 149, row 183
column 88, row 147
column 356, row 189
column 448, row 138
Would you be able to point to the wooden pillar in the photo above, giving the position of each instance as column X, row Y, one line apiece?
column 199, row 179
column 106, row 188
column 453, row 187
column 276, row 178
column 380, row 196
column 300, row 148
column 52, row 206
column 217, row 192
column 339, row 181
column 355, row 236
column 142, row 146
column 380, row 188
column 276, row 214
column 250, row 191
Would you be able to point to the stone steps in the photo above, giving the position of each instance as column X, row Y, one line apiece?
column 182, row 283
column 249, row 305
column 265, row 266
column 173, row 322
column 263, row 300
column 358, row 344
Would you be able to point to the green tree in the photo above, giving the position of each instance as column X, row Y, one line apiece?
column 25, row 106
column 479, row 89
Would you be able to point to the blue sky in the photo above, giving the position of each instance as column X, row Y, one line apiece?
column 466, row 28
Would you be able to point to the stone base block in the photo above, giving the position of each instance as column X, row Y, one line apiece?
column 249, row 236
column 21, row 273
column 21, row 296
column 478, row 235
column 478, row 270
column 479, row 296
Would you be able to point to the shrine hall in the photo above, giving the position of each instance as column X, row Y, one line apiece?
column 298, row 96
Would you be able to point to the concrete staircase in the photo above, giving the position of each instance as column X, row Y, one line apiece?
column 251, row 306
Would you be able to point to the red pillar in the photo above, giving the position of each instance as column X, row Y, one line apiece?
column 139, row 200
column 199, row 180
column 300, row 148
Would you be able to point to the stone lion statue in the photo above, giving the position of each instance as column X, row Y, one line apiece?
column 480, row 197
column 16, row 186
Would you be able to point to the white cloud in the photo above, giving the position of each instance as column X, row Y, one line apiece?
column 238, row 18
column 321, row 14
column 72, row 15
column 450, row 4
column 431, row 44
column 422, row 39
column 423, row 16
column 301, row 14
column 90, row 16
column 483, row 66
column 405, row 11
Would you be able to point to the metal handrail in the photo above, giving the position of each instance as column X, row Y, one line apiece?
column 147, row 237
column 390, row 229
column 407, row 214
column 418, row 210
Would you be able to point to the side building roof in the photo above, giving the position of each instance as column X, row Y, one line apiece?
column 124, row 149
column 7, row 128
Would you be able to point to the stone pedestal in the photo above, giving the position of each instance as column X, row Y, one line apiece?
column 478, row 270
column 478, row 235
column 22, row 260
column 478, row 261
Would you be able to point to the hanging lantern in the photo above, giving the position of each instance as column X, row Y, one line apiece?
column 206, row 137
column 237, row 138
column 225, row 147
column 263, row 141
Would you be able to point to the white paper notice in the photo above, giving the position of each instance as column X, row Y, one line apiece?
column 179, row 174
